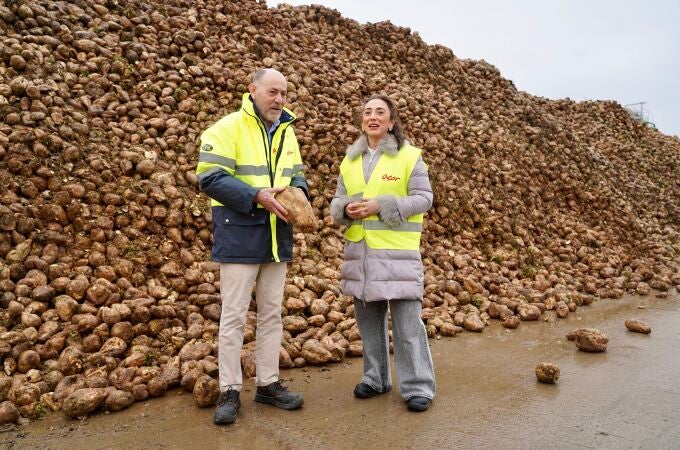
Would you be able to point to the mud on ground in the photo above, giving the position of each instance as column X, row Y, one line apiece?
column 487, row 396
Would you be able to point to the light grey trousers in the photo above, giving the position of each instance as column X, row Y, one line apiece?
column 412, row 357
column 236, row 286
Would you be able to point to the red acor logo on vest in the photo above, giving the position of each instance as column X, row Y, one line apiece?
column 387, row 177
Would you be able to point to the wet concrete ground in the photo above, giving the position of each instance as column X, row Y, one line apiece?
column 487, row 397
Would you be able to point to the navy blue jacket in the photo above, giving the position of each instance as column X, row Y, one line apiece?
column 241, row 231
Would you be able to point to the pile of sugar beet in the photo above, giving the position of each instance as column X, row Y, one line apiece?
column 107, row 293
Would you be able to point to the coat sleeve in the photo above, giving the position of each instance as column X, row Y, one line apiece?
column 215, row 171
column 229, row 191
column 394, row 210
column 340, row 200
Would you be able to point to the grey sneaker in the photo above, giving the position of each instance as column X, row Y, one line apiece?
column 227, row 406
column 418, row 404
column 363, row 390
column 278, row 395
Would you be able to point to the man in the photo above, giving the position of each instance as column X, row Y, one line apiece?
column 245, row 159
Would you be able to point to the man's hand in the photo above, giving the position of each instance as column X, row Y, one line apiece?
column 265, row 197
column 361, row 210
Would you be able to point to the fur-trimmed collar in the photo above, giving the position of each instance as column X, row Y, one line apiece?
column 387, row 145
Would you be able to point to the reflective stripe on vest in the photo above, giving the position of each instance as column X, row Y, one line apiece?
column 390, row 177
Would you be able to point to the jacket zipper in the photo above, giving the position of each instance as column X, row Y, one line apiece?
column 278, row 153
column 363, row 290
column 265, row 140
column 267, row 152
column 366, row 180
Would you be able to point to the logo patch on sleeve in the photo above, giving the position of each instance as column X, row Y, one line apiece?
column 206, row 148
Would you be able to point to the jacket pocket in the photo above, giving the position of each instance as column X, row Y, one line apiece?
column 223, row 215
column 284, row 238
column 238, row 235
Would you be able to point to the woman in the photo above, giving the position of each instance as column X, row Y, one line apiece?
column 383, row 190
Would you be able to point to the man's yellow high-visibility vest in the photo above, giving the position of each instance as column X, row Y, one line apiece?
column 390, row 177
column 238, row 145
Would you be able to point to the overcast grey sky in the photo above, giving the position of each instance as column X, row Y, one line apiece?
column 624, row 50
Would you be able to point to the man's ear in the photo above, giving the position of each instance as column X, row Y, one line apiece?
column 251, row 87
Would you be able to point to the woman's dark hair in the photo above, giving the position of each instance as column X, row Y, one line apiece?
column 397, row 130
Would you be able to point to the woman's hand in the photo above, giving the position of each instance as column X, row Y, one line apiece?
column 363, row 209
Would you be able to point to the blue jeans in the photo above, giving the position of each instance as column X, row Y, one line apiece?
column 411, row 353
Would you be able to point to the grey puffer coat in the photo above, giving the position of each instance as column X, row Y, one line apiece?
column 373, row 274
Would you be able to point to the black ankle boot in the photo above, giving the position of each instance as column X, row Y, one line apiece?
column 227, row 406
column 363, row 390
column 418, row 404
column 276, row 394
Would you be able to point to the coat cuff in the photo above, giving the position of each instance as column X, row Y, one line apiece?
column 389, row 212
column 338, row 210
column 301, row 183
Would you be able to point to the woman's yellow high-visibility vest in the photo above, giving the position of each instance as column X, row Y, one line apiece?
column 390, row 177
